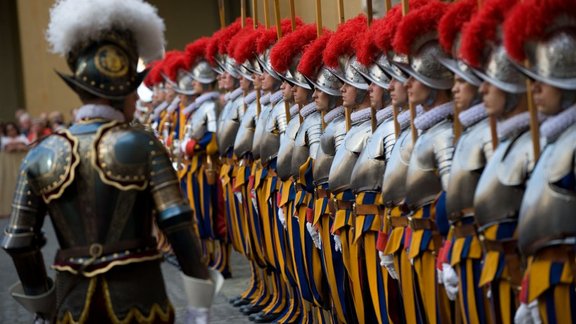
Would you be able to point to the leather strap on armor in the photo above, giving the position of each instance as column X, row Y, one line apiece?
column 322, row 193
column 367, row 210
column 464, row 230
column 418, row 224
column 401, row 221
column 97, row 250
column 344, row 205
column 511, row 256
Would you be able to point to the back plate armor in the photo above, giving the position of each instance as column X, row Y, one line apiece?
column 307, row 141
column 245, row 136
column 228, row 124
column 369, row 169
column 547, row 212
column 203, row 120
column 275, row 126
column 473, row 150
column 346, row 156
column 330, row 141
column 394, row 180
column 284, row 162
column 501, row 185
column 429, row 165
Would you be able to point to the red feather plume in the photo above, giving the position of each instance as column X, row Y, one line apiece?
column 235, row 41
column 367, row 50
column 453, row 22
column 196, row 51
column 384, row 33
column 518, row 29
column 153, row 75
column 345, row 40
column 287, row 48
column 229, row 32
column 312, row 57
column 173, row 64
column 482, row 30
column 418, row 23
column 270, row 36
column 246, row 45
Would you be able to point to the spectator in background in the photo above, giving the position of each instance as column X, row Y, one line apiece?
column 25, row 122
column 13, row 140
column 56, row 121
column 38, row 130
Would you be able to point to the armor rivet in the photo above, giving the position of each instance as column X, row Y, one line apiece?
column 115, row 255
column 28, row 192
column 151, row 142
column 152, row 173
column 101, row 86
column 112, row 88
column 92, row 83
column 109, row 173
column 29, row 203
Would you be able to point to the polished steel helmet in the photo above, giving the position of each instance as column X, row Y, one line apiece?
column 375, row 74
column 390, row 67
column 425, row 67
column 184, row 84
column 228, row 65
column 499, row 70
column 553, row 60
column 459, row 67
column 203, row 72
column 351, row 74
column 326, row 82
column 265, row 65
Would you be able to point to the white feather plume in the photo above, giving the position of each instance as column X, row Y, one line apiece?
column 76, row 21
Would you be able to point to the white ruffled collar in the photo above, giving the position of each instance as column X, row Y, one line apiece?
column 472, row 115
column 159, row 109
column 515, row 125
column 308, row 110
column 92, row 111
column 213, row 95
column 384, row 114
column 173, row 105
column 333, row 114
column 360, row 116
column 250, row 98
column 434, row 116
column 294, row 111
column 276, row 97
column 556, row 125
column 233, row 94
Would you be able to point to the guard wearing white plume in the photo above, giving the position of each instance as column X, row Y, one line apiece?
column 100, row 182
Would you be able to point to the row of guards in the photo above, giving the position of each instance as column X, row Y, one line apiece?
column 388, row 171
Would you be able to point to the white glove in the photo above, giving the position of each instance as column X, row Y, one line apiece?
column 528, row 314
column 281, row 217
column 238, row 197
column 387, row 261
column 314, row 235
column 337, row 243
column 450, row 279
column 183, row 144
column 197, row 315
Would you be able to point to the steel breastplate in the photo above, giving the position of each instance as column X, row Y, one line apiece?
column 245, row 135
column 228, row 126
column 547, row 212
column 346, row 157
column 369, row 169
column 501, row 186
column 470, row 157
column 423, row 182
column 275, row 126
column 203, row 120
column 106, row 200
column 327, row 150
column 394, row 180
column 259, row 131
column 306, row 142
column 284, row 161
